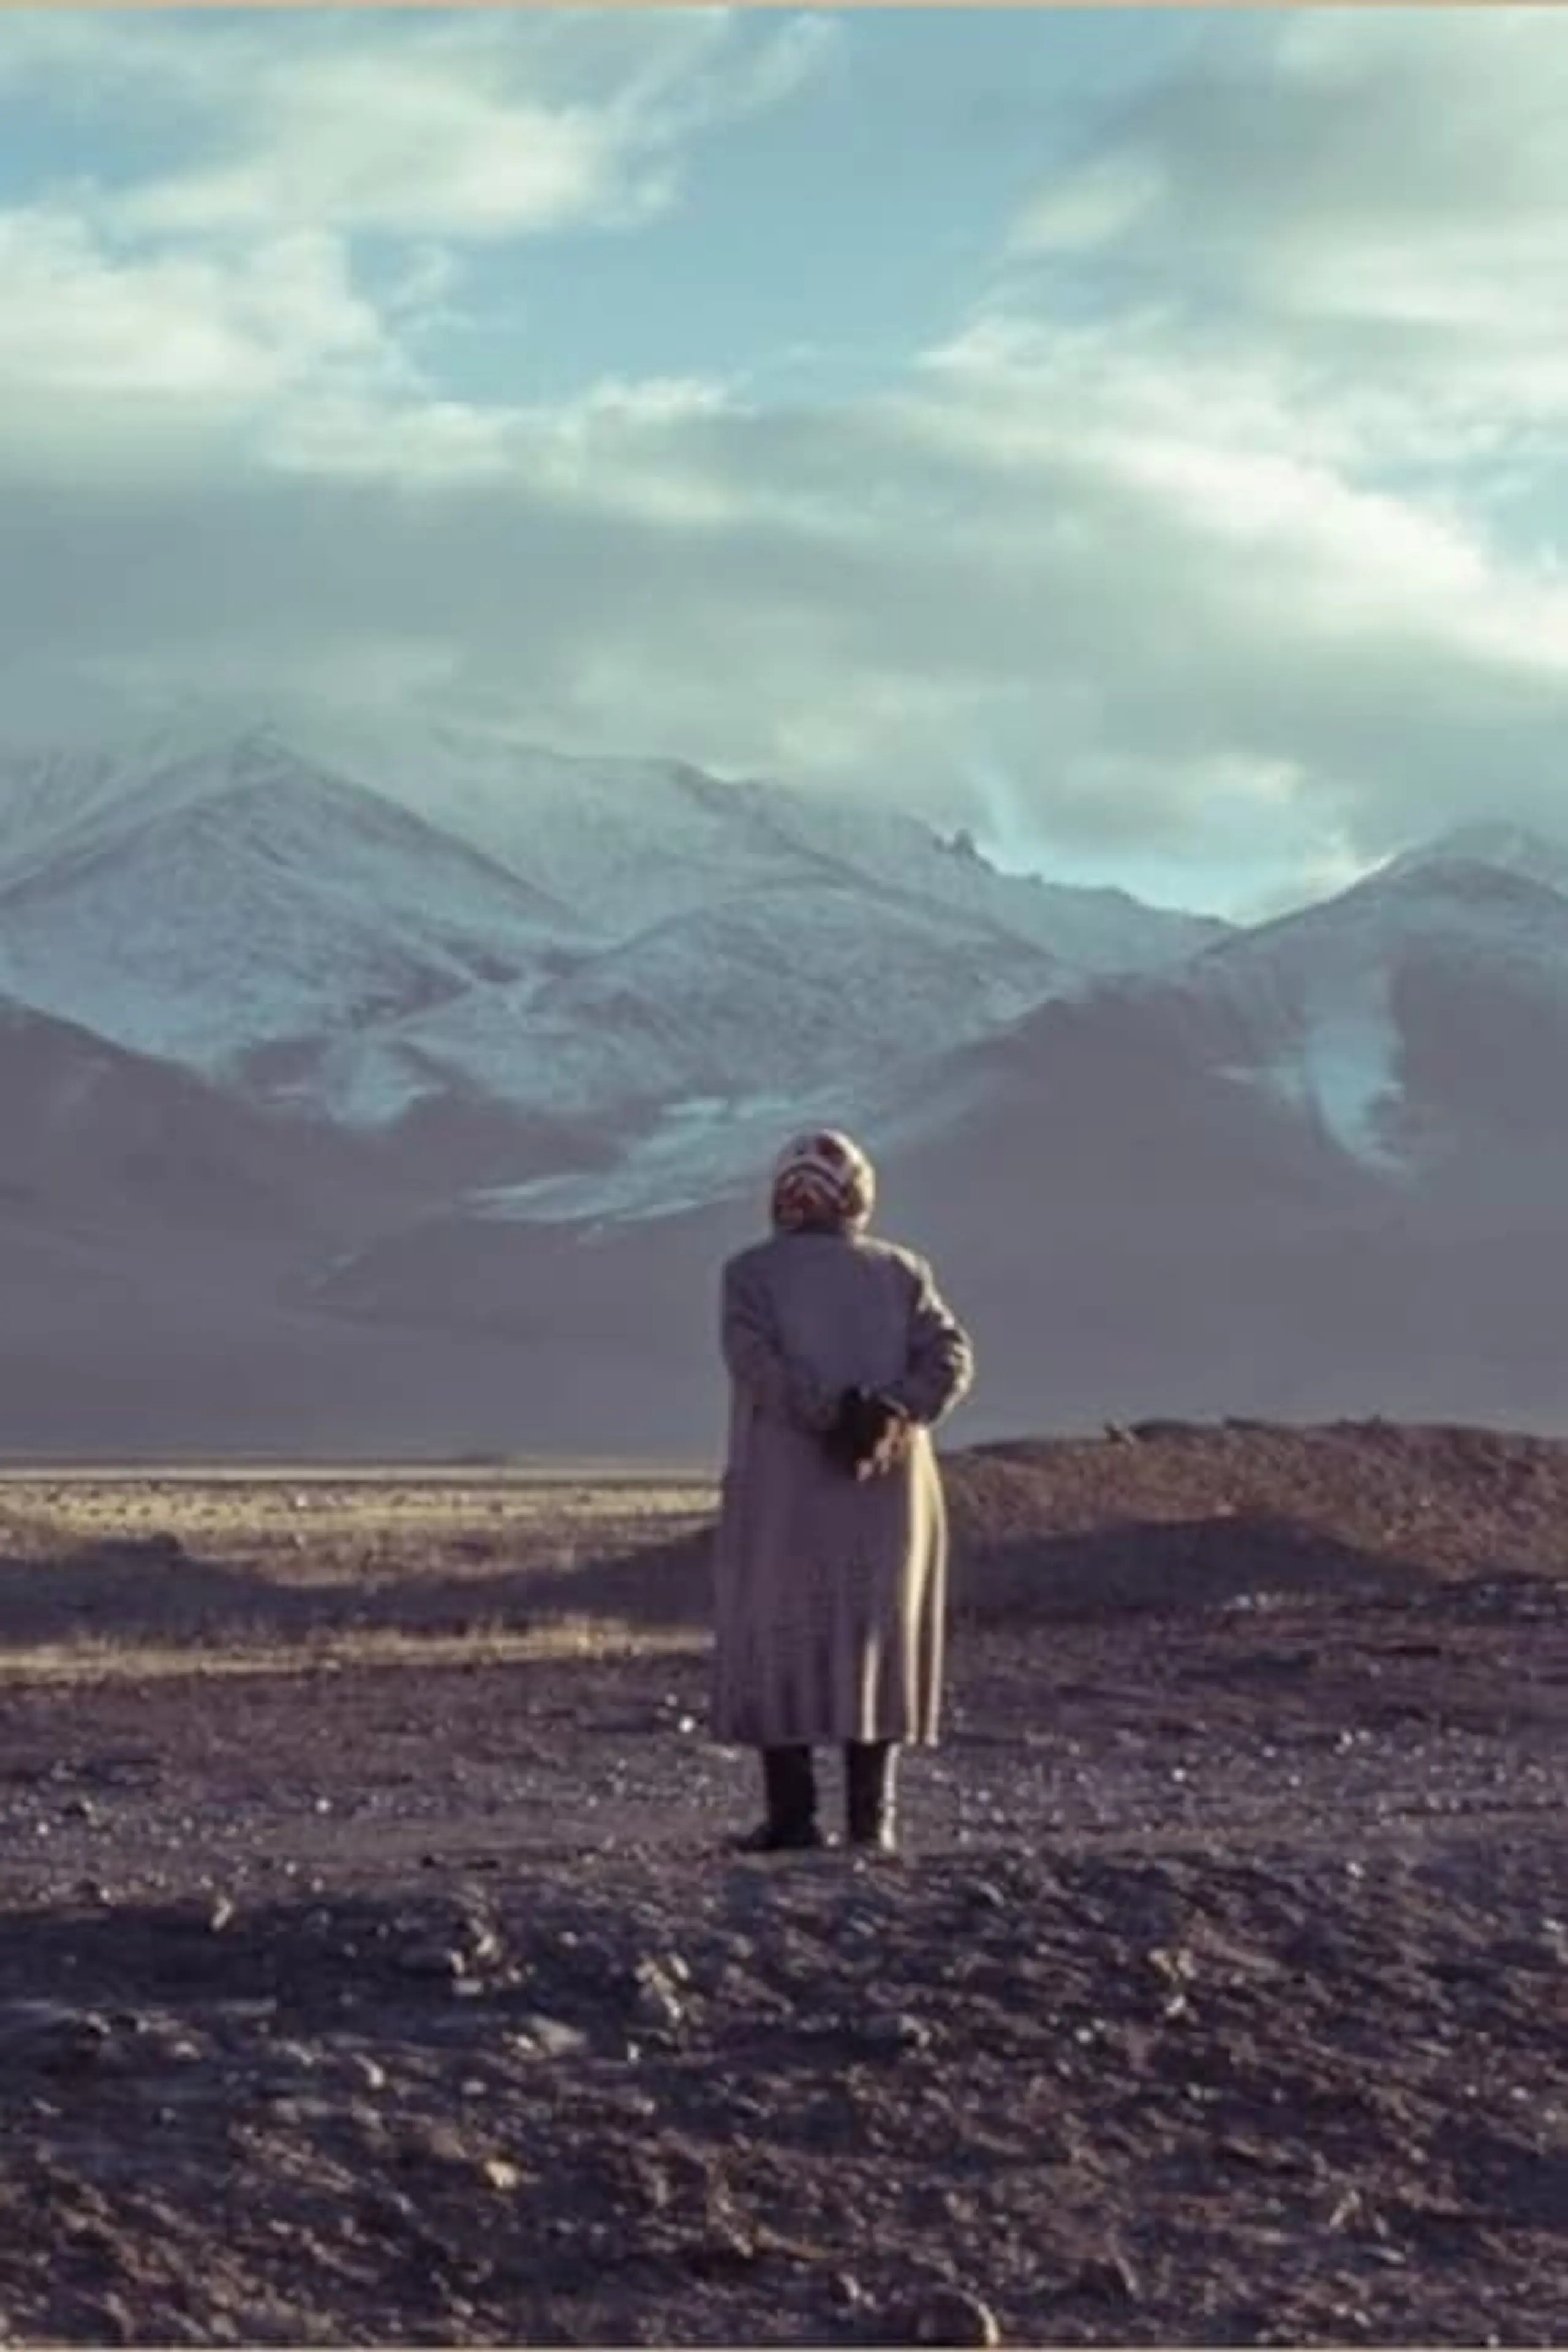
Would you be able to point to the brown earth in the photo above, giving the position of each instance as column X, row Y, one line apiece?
column 372, row 1969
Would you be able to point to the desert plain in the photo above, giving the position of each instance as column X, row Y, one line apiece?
column 373, row 1967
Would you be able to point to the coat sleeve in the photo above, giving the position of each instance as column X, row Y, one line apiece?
column 940, row 1367
column 782, row 1389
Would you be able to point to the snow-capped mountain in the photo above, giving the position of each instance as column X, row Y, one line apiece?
column 232, row 902
column 1319, row 1168
column 1369, row 1038
column 397, row 1082
column 1516, row 849
column 788, row 991
column 1389, row 1015
column 1374, row 1035
column 246, row 899
column 631, row 842
column 366, row 924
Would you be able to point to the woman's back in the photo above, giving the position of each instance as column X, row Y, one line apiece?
column 843, row 1305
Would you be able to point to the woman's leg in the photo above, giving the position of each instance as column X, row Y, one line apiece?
column 789, row 1784
column 870, row 1775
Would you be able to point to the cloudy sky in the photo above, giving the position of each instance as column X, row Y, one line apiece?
column 1140, row 435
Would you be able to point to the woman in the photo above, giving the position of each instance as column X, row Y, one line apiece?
column 832, row 1548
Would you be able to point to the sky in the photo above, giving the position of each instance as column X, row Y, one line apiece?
column 1138, row 435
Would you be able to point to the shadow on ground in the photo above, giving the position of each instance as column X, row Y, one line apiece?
column 155, row 1592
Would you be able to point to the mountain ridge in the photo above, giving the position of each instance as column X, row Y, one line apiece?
column 378, row 988
column 478, row 1117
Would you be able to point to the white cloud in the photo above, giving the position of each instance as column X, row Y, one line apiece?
column 78, row 318
column 1381, row 198
column 1166, row 648
column 1217, row 560
column 463, row 125
column 388, row 144
column 1090, row 211
column 223, row 277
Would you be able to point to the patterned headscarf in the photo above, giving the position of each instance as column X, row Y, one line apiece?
column 825, row 1180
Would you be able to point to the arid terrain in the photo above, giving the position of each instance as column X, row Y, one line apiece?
column 373, row 1970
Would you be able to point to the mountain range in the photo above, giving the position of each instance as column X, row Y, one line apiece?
column 390, row 1089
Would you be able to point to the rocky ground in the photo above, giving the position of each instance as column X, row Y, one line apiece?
column 372, row 1969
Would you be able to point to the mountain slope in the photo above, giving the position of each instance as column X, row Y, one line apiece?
column 112, row 1146
column 633, row 842
column 537, row 1056
column 247, row 901
column 1321, row 1169
column 1405, row 1012
column 380, row 927
column 1386, row 1037
column 1504, row 848
column 783, row 991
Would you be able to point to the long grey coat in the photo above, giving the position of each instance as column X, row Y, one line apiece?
column 830, row 1593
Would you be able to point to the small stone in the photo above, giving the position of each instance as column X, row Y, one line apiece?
column 435, row 1960
column 951, row 2316
column 897, row 2030
column 501, row 2174
column 657, row 2002
column 428, row 2144
column 115, row 2320
column 283, row 2107
column 550, row 2037
column 484, row 1947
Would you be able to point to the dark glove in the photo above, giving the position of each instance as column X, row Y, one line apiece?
column 870, row 1435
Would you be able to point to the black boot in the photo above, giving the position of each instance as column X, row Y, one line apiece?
column 870, row 1771
column 789, row 1781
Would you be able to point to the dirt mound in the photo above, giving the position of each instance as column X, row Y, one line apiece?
column 1171, row 1515
column 1453, row 1499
